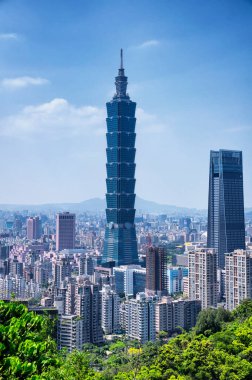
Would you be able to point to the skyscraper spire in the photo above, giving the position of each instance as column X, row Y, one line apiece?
column 121, row 58
column 121, row 80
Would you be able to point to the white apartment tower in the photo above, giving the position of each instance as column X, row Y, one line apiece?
column 164, row 315
column 89, row 307
column 69, row 333
column 202, row 279
column 140, row 318
column 110, row 310
column 238, row 279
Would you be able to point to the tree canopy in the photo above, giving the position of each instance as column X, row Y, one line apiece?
column 218, row 348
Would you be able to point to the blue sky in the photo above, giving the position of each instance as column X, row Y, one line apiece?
column 189, row 65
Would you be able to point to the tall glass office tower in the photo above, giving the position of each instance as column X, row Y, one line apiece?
column 120, row 236
column 226, row 226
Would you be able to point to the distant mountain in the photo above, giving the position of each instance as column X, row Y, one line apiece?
column 99, row 205
column 144, row 206
column 96, row 205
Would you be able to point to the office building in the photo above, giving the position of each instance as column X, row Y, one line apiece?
column 110, row 310
column 65, row 231
column 226, row 229
column 34, row 228
column 129, row 279
column 156, row 271
column 238, row 277
column 120, row 242
column 175, row 279
column 203, row 277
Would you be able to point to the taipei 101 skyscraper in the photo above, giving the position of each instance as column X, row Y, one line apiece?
column 120, row 243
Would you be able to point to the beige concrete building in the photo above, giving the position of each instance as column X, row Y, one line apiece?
column 202, row 279
column 238, row 278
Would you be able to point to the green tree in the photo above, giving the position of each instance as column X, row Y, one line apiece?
column 244, row 310
column 210, row 320
column 26, row 345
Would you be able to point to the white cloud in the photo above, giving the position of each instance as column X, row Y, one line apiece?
column 57, row 119
column 21, row 82
column 149, row 123
column 8, row 36
column 149, row 43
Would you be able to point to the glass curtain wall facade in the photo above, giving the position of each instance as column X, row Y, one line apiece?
column 226, row 226
column 120, row 242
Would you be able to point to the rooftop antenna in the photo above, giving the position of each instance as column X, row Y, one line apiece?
column 121, row 59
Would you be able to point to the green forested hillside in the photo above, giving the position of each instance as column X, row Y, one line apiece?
column 219, row 348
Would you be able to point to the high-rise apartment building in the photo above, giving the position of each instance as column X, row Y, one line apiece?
column 34, row 228
column 203, row 277
column 69, row 334
column 110, row 310
column 70, row 301
column 65, row 231
column 164, row 315
column 171, row 314
column 88, row 303
column 185, row 313
column 120, row 242
column 140, row 318
column 16, row 267
column 156, row 270
column 61, row 268
column 238, row 277
column 226, row 228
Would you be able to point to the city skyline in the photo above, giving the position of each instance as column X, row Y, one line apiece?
column 190, row 73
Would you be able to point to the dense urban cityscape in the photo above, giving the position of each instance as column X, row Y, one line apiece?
column 103, row 276
column 127, row 284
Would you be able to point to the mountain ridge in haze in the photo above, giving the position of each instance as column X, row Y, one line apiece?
column 99, row 205
column 96, row 205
